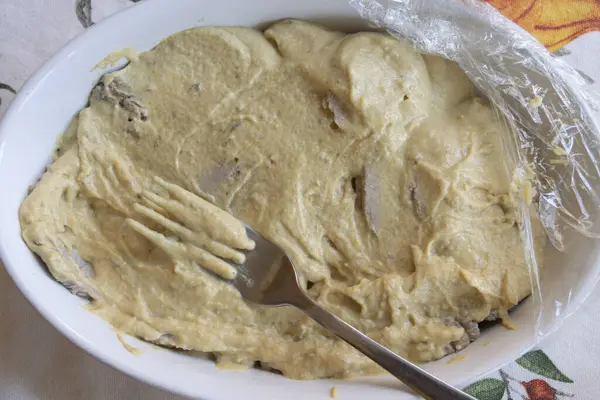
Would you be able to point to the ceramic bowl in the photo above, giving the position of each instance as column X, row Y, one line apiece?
column 42, row 110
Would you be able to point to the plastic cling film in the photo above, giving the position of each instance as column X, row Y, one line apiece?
column 555, row 125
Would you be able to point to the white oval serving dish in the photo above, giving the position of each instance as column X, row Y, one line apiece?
column 42, row 110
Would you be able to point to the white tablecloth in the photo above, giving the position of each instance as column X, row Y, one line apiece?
column 36, row 362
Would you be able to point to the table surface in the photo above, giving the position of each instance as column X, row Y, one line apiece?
column 36, row 362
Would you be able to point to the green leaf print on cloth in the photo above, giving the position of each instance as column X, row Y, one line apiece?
column 487, row 389
column 539, row 363
column 518, row 383
column 83, row 10
column 4, row 86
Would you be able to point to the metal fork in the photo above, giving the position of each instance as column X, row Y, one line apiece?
column 267, row 277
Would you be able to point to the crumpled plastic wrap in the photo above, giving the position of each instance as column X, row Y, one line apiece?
column 555, row 124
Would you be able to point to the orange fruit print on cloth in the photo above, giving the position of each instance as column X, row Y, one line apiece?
column 555, row 23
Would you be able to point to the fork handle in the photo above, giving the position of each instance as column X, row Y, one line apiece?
column 422, row 382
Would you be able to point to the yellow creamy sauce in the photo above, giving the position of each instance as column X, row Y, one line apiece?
column 376, row 169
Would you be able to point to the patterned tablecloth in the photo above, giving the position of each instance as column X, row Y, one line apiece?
column 38, row 363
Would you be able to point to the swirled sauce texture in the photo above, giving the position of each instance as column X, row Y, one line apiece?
column 376, row 169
